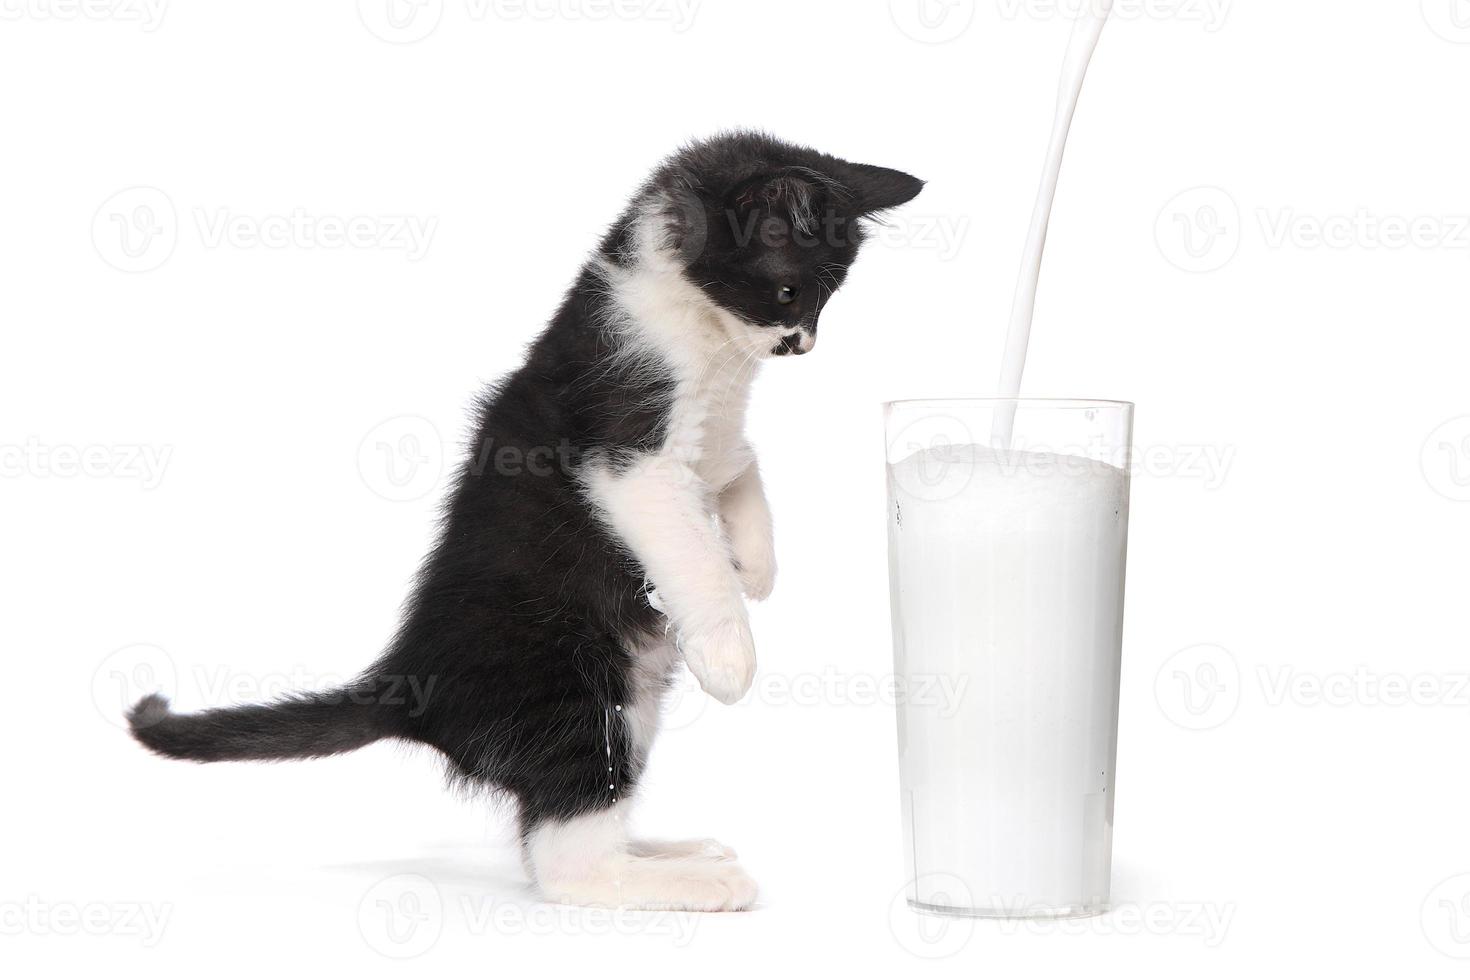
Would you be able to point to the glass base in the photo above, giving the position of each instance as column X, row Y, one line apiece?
column 1042, row 912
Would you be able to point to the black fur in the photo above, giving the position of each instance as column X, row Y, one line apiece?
column 519, row 629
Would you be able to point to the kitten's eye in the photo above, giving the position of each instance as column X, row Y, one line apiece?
column 786, row 295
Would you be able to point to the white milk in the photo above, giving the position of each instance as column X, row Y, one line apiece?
column 1007, row 578
column 1006, row 569
column 1086, row 30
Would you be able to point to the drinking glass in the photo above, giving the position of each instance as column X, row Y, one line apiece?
column 1008, row 531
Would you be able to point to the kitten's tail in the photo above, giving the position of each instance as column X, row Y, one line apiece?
column 300, row 727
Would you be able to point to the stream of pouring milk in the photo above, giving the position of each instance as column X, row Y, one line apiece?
column 1086, row 30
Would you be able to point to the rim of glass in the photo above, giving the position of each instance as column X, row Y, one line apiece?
column 1019, row 400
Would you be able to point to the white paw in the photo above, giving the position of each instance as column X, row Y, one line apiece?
column 757, row 574
column 703, row 849
column 660, row 883
column 694, row 885
column 740, row 888
column 722, row 659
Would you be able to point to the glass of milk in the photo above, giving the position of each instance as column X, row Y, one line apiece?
column 1008, row 531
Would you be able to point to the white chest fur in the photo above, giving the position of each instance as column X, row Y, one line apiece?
column 692, row 511
column 712, row 355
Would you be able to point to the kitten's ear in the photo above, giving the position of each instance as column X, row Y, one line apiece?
column 879, row 188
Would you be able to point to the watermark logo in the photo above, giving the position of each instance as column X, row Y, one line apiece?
column 1445, row 917
column 401, row 917
column 1450, row 19
column 932, row 21
column 1202, row 686
column 933, row 458
column 124, row 676
column 129, row 674
column 1198, row 688
column 1445, row 459
column 400, row 21
column 404, row 916
column 929, row 936
column 402, row 458
column 1199, row 229
column 136, row 229
column 930, row 459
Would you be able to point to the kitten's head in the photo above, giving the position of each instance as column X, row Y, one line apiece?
column 767, row 230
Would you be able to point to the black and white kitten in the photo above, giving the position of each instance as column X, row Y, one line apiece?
column 605, row 526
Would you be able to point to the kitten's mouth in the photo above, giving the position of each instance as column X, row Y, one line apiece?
column 795, row 343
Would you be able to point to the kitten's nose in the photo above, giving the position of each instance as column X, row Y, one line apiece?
column 797, row 343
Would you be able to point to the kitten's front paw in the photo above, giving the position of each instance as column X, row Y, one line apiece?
column 722, row 659
column 757, row 575
column 756, row 564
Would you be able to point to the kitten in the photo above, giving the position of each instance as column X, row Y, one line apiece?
column 603, row 529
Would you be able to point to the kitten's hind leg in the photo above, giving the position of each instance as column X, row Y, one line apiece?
column 588, row 860
column 705, row 849
column 574, row 774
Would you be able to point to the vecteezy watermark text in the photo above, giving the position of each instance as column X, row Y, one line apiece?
column 404, row 916
column 35, row 916
column 121, row 461
column 408, row 233
column 1202, row 230
column 133, row 672
column 147, row 14
column 138, row 229
column 1209, row 14
column 930, row 937
column 408, row 21
column 1202, row 686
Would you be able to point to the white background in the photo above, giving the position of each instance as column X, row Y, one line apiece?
column 1262, row 238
